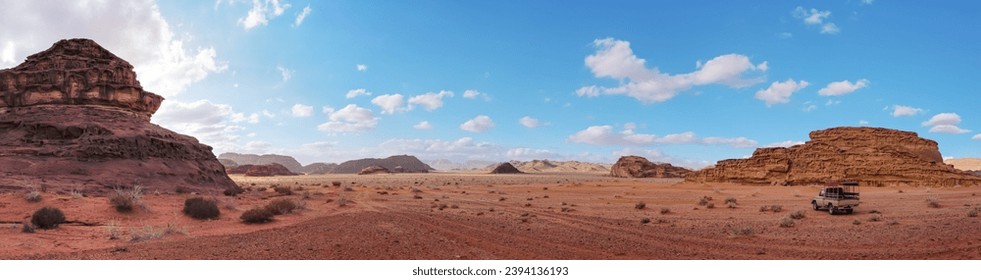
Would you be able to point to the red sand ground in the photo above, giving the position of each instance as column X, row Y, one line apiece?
column 510, row 217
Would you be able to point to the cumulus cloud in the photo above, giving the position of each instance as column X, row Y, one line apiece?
column 785, row 144
column 976, row 137
column 351, row 118
column 139, row 34
column 843, row 87
column 212, row 124
column 530, row 154
column 361, row 67
column 389, row 103
column 816, row 17
column 530, row 122
column 424, row 125
column 463, row 148
column 605, row 135
column 430, row 101
column 780, row 92
column 945, row 123
column 357, row 92
column 905, row 111
column 655, row 155
column 615, row 59
column 241, row 117
column 300, row 110
column 302, row 16
column 262, row 11
column 471, row 94
column 478, row 124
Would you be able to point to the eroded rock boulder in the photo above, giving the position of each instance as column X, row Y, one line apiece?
column 640, row 167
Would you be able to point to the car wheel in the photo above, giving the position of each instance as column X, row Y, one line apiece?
column 815, row 205
column 832, row 209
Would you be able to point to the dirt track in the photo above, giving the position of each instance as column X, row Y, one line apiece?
column 521, row 217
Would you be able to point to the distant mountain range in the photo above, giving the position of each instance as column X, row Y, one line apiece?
column 404, row 163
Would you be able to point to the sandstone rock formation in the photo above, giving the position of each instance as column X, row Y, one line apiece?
column 261, row 170
column 639, row 167
column 319, row 168
column 505, row 168
column 872, row 156
column 373, row 170
column 409, row 164
column 75, row 117
column 253, row 159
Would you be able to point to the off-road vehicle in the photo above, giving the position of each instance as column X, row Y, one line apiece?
column 837, row 198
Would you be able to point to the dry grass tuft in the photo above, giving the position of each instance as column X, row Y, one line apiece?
column 933, row 202
column 125, row 201
column 786, row 222
column 797, row 215
column 640, row 205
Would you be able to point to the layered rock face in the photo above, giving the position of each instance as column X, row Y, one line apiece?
column 74, row 116
column 639, row 167
column 872, row 156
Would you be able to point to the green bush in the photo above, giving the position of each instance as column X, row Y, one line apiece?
column 47, row 218
column 201, row 209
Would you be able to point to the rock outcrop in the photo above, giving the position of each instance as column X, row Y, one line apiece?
column 505, row 168
column 319, row 168
column 75, row 117
column 409, row 164
column 374, row 170
column 261, row 170
column 872, row 156
column 253, row 159
column 640, row 167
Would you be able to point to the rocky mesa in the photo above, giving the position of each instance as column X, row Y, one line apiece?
column 75, row 117
column 640, row 167
column 872, row 156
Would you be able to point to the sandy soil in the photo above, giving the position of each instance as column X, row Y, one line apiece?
column 477, row 216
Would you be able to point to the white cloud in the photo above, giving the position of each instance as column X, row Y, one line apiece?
column 530, row 122
column 357, row 92
column 268, row 114
column 780, row 92
column 808, row 106
column 423, row 125
column 843, row 87
column 212, row 124
column 763, row 66
column 478, row 124
column 787, row 143
column 302, row 16
column 351, row 118
column 816, row 17
column 471, row 94
column 605, row 135
column 867, row 2
column 389, row 103
column 905, row 111
column 463, row 148
column 945, row 123
column 615, row 59
column 241, row 117
column 262, row 11
column 430, row 101
column 863, row 122
column 976, row 137
column 285, row 72
column 139, row 34
column 658, row 156
column 361, row 67
column 530, row 154
column 300, row 110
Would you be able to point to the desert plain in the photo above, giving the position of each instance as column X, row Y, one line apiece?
column 461, row 215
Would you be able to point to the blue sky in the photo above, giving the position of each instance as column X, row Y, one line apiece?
column 683, row 82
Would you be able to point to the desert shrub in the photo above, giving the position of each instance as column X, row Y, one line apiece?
column 710, row 205
column 645, row 220
column 182, row 190
column 124, row 201
column 764, row 208
column 857, row 222
column 348, row 189
column 730, row 200
column 33, row 196
column 797, row 215
column 342, row 201
column 283, row 190
column 150, row 232
column 336, row 183
column 875, row 218
column 306, row 195
column 76, row 194
column 282, row 206
column 743, row 231
column 113, row 229
column 47, row 218
column 786, row 222
column 776, row 208
column 233, row 191
column 665, row 210
column 933, row 203
column 893, row 222
column 201, row 209
column 27, row 226
column 973, row 212
column 704, row 200
column 257, row 215
column 640, row 205
column 416, row 196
